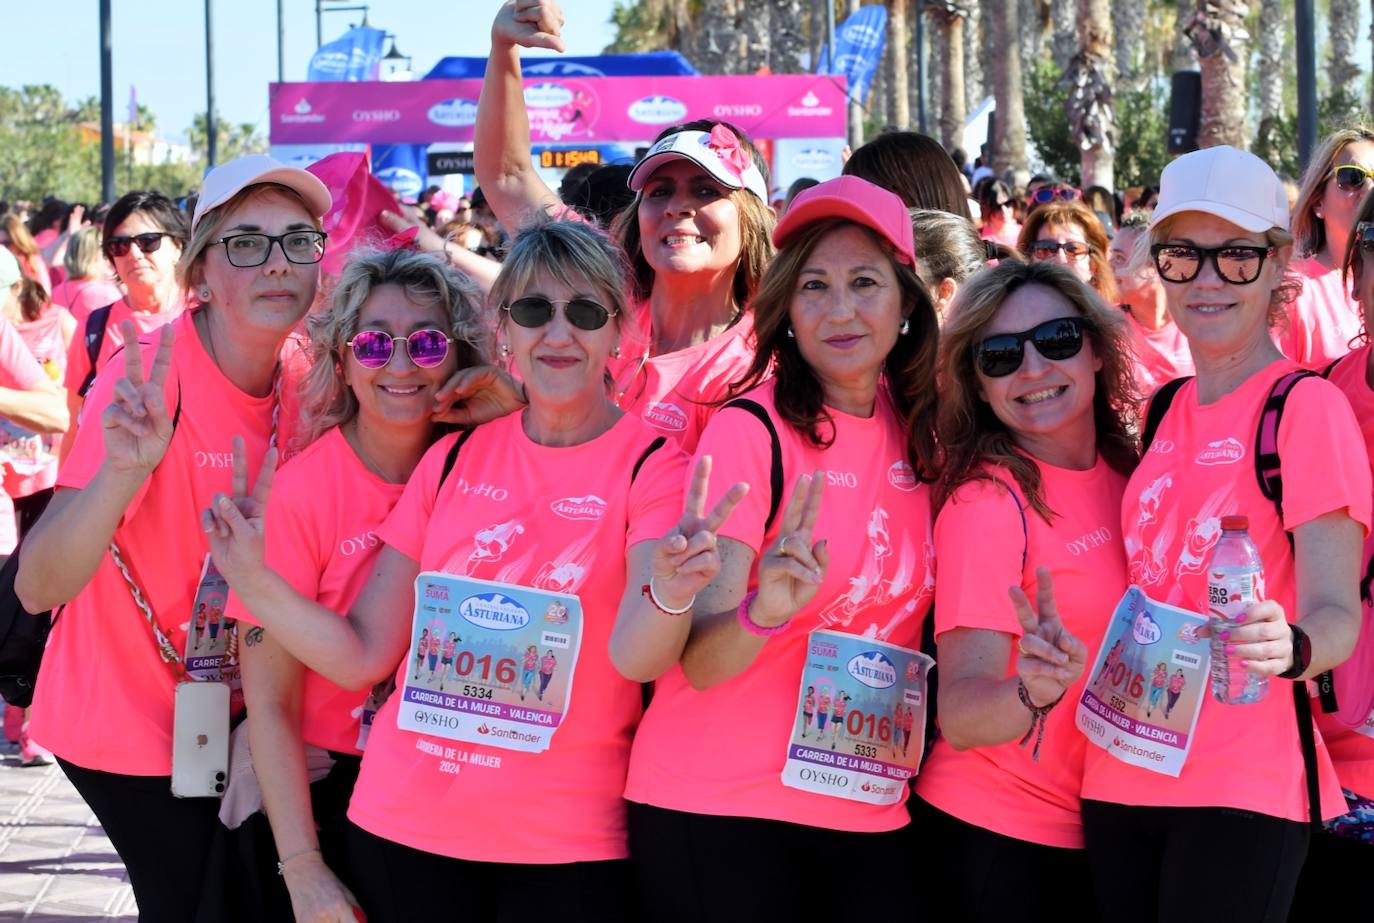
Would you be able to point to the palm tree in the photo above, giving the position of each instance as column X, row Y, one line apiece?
column 1220, row 26
column 1001, row 19
column 1089, row 106
column 1273, row 28
column 896, row 53
column 948, row 18
column 787, row 42
column 1128, row 34
column 1343, row 73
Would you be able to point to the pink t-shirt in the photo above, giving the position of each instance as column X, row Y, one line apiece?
column 321, row 536
column 1007, row 236
column 500, row 516
column 1324, row 319
column 979, row 544
column 1200, row 468
column 105, row 696
column 82, row 296
column 675, row 393
column 880, row 583
column 18, row 370
column 33, row 465
column 79, row 363
column 1352, row 752
column 1160, row 355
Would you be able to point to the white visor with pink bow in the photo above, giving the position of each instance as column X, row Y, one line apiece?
column 718, row 152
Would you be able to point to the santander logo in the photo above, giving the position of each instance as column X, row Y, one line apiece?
column 666, row 416
column 1226, row 451
column 588, row 507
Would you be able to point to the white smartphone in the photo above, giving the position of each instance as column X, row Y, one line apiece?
column 200, row 740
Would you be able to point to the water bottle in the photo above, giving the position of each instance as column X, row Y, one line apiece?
column 1235, row 580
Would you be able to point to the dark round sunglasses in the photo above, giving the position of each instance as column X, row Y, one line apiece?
column 148, row 243
column 373, row 348
column 1002, row 353
column 534, row 311
column 1236, row 264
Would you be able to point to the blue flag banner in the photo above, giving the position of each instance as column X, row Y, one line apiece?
column 402, row 168
column 648, row 64
column 858, row 49
column 355, row 55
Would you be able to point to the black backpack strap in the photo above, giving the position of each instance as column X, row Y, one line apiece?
column 451, row 458
column 775, row 473
column 1159, row 406
column 96, row 322
column 644, row 456
column 1302, row 704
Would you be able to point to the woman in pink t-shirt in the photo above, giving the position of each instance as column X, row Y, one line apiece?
column 1070, row 234
column 154, row 453
column 1161, row 351
column 997, row 208
column 1324, row 319
column 89, row 284
column 531, row 502
column 696, row 236
column 1238, row 805
column 851, row 332
column 1036, row 412
column 421, row 650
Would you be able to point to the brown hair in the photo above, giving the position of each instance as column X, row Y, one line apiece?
column 916, row 168
column 33, row 299
column 21, row 241
column 908, row 371
column 972, row 436
column 1309, row 233
column 1060, row 214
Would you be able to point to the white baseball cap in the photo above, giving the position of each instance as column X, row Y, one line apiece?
column 229, row 179
column 718, row 152
column 9, row 270
column 1232, row 184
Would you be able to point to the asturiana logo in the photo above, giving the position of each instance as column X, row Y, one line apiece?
column 657, row 110
column 547, row 96
column 588, row 507
column 1145, row 630
column 666, row 416
column 453, row 113
column 1226, row 451
column 873, row 669
column 492, row 610
column 902, row 476
column 401, row 181
column 813, row 158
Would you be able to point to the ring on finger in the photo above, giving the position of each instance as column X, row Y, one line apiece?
column 782, row 547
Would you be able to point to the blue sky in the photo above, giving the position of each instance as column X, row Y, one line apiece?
column 159, row 46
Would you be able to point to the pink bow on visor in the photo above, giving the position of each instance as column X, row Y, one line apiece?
column 730, row 151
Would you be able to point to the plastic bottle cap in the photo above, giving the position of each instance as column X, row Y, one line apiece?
column 1235, row 523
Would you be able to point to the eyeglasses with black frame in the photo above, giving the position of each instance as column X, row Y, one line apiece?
column 1351, row 176
column 1237, row 264
column 1002, row 353
column 426, row 348
column 534, row 311
column 247, row 250
column 148, row 243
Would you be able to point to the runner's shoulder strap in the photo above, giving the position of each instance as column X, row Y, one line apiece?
column 1159, row 406
column 644, row 456
column 96, row 322
column 775, row 471
column 451, row 458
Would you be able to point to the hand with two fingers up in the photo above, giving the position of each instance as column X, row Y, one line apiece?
column 686, row 559
column 792, row 569
column 233, row 523
column 1049, row 659
column 137, row 425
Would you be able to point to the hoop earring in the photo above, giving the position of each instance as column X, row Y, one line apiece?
column 905, row 328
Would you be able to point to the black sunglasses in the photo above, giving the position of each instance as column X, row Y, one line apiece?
column 1351, row 176
column 1074, row 250
column 535, row 311
column 1235, row 263
column 1001, row 354
column 148, row 243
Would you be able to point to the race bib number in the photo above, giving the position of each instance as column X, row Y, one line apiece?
column 859, row 727
column 489, row 663
column 1146, row 686
column 207, row 635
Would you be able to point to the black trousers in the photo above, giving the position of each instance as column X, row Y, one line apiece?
column 985, row 876
column 1329, row 886
column 164, row 841
column 1164, row 865
column 701, row 867
column 398, row 884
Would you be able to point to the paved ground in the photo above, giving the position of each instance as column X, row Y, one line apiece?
column 55, row 861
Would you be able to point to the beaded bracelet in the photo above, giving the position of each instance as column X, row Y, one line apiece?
column 648, row 590
column 753, row 627
column 1038, row 713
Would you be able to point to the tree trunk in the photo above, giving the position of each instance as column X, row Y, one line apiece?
column 1223, row 74
column 788, row 42
column 1371, row 56
column 755, row 23
column 816, row 35
column 915, row 85
column 974, row 90
column 1273, row 25
column 1063, row 38
column 1001, row 19
column 952, row 112
column 720, row 48
column 1128, row 31
column 1185, row 58
column 935, row 72
column 1089, row 106
column 896, row 53
column 1032, row 32
column 1343, row 74
column 856, row 109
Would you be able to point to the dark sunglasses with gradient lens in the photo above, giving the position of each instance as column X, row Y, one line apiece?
column 1235, row 263
column 535, row 311
column 148, row 243
column 373, row 348
column 1351, row 177
column 1074, row 250
column 1000, row 354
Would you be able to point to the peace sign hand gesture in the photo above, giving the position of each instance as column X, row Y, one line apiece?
column 136, row 423
column 793, row 569
column 234, row 524
column 531, row 23
column 1049, row 659
column 685, row 560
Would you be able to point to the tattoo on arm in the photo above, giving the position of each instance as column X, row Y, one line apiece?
column 253, row 636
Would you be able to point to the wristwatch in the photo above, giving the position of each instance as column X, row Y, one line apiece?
column 1302, row 654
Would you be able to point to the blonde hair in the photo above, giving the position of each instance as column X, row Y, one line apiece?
column 207, row 230
column 1309, row 231
column 84, row 259
column 21, row 241
column 325, row 397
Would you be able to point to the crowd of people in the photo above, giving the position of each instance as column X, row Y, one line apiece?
column 824, row 509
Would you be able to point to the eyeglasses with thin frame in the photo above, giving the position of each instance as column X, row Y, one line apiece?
column 426, row 348
column 1351, row 176
column 247, row 250
column 1238, row 264
column 1074, row 250
column 147, row 243
column 534, row 311
column 1002, row 353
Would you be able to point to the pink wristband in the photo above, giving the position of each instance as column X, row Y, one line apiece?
column 753, row 627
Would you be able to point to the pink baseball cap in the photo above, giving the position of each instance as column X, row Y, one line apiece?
column 1231, row 184
column 229, row 179
column 853, row 199
column 718, row 152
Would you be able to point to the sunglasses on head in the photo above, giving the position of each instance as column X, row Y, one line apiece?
column 148, row 243
column 1047, row 194
column 1074, row 250
column 1001, row 354
column 426, row 348
column 535, row 311
column 1237, row 264
column 1351, row 176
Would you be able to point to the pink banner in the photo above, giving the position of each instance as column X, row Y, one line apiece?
column 562, row 111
